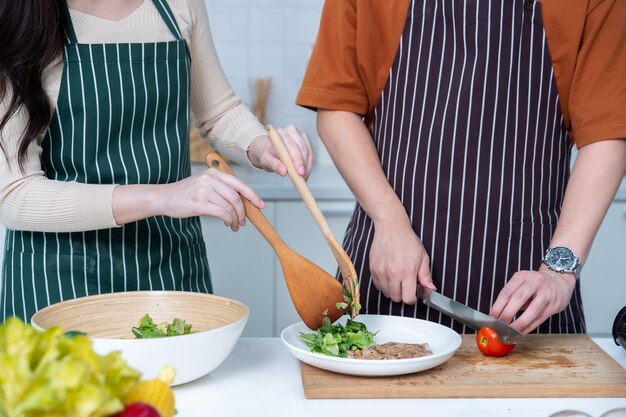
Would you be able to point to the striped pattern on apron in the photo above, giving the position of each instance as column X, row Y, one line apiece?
column 121, row 118
column 471, row 137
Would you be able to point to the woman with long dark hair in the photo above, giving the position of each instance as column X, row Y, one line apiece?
column 95, row 181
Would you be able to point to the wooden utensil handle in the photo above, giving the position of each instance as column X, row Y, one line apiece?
column 253, row 213
column 300, row 183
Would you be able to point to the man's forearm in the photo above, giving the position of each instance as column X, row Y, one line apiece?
column 350, row 145
column 597, row 173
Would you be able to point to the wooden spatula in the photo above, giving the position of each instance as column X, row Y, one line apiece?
column 345, row 264
column 313, row 291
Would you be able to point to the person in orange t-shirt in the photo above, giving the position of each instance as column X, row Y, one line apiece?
column 453, row 124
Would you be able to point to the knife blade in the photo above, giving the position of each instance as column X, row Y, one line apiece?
column 468, row 316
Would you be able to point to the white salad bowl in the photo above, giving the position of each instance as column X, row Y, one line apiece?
column 442, row 341
column 108, row 319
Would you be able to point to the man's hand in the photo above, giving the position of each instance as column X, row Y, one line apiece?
column 397, row 260
column 541, row 293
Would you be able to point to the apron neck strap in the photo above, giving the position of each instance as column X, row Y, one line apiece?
column 168, row 17
column 162, row 7
column 71, row 34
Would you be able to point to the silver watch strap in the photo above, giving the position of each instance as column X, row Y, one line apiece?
column 577, row 268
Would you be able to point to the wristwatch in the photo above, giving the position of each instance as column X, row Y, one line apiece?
column 562, row 259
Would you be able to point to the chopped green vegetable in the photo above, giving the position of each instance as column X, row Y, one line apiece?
column 347, row 303
column 149, row 329
column 337, row 340
column 47, row 374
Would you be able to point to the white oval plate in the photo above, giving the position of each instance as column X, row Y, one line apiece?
column 443, row 342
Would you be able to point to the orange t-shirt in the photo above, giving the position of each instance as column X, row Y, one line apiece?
column 358, row 40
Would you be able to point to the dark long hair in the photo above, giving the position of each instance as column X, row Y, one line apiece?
column 32, row 34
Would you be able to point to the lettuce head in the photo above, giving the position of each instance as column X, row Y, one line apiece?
column 47, row 374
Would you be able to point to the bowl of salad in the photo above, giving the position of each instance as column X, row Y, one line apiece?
column 191, row 332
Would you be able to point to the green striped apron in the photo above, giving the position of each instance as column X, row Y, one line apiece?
column 121, row 118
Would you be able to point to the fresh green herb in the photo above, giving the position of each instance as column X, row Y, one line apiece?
column 337, row 340
column 149, row 329
column 347, row 303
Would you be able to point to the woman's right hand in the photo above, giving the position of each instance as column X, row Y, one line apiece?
column 398, row 260
column 211, row 193
column 207, row 193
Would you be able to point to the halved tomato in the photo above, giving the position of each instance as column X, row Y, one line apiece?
column 489, row 343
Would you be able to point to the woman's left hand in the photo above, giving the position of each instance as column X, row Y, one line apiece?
column 262, row 155
column 536, row 295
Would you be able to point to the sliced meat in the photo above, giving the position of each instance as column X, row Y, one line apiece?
column 393, row 350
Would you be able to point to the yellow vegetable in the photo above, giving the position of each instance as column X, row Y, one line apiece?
column 156, row 392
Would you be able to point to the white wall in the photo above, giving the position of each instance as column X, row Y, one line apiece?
column 269, row 38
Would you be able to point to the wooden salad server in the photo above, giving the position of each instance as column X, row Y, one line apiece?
column 346, row 267
column 314, row 292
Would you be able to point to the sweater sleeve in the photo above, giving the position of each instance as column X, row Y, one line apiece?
column 31, row 201
column 222, row 118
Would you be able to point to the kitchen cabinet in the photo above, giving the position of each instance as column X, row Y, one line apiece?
column 241, row 254
column 298, row 229
column 245, row 267
column 242, row 267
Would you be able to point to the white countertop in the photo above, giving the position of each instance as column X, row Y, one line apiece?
column 325, row 183
column 262, row 378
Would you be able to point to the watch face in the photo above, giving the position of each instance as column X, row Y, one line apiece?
column 561, row 259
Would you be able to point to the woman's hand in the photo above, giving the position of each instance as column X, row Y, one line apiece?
column 398, row 260
column 208, row 193
column 541, row 293
column 262, row 154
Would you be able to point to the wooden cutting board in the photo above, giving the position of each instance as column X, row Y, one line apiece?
column 543, row 366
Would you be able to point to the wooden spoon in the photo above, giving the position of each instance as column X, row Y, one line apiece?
column 345, row 264
column 313, row 291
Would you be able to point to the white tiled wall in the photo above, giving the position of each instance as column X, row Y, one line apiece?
column 269, row 38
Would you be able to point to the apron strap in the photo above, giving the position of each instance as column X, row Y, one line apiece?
column 71, row 34
column 168, row 18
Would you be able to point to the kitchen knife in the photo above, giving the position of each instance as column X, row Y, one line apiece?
column 468, row 316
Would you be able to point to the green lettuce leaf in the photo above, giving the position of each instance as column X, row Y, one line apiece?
column 337, row 340
column 147, row 328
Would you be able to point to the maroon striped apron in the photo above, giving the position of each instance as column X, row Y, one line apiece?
column 471, row 138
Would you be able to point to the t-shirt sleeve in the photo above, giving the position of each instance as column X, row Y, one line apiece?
column 597, row 100
column 332, row 78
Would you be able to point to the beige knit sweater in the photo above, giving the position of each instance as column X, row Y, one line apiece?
column 30, row 201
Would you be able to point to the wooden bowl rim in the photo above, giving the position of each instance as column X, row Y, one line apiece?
column 40, row 318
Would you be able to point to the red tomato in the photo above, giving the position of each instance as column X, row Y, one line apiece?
column 489, row 343
column 139, row 410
